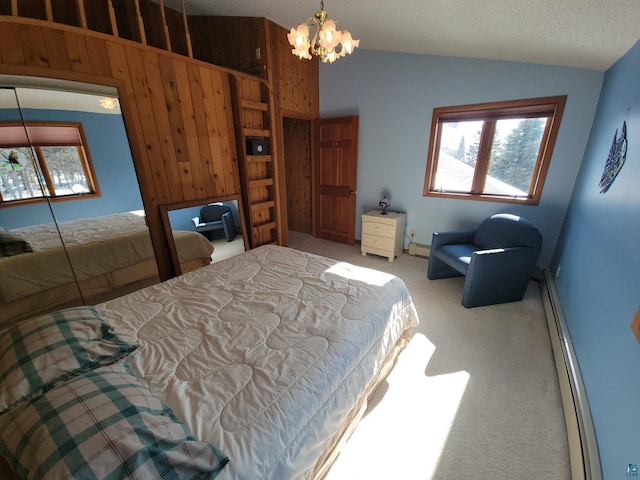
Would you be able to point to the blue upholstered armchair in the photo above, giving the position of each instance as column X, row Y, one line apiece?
column 497, row 259
column 215, row 216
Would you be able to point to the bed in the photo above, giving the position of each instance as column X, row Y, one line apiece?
column 111, row 255
column 268, row 357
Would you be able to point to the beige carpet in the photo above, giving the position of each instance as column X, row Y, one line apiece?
column 223, row 249
column 474, row 395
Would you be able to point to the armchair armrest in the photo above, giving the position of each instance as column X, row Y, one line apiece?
column 498, row 275
column 451, row 237
column 505, row 260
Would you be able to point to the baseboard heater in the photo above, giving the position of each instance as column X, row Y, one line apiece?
column 583, row 448
column 419, row 249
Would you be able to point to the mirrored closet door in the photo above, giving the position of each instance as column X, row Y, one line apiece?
column 70, row 191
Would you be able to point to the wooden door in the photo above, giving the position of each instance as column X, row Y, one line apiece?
column 336, row 177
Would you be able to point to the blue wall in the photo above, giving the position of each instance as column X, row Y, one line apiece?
column 109, row 149
column 598, row 282
column 394, row 95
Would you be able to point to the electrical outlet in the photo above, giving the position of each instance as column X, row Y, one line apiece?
column 258, row 54
column 412, row 233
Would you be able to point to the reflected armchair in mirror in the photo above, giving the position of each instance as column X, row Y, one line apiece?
column 215, row 216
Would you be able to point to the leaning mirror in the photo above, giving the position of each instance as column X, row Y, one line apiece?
column 214, row 226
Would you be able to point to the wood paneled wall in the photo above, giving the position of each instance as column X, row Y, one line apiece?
column 298, row 167
column 230, row 41
column 177, row 111
column 233, row 42
column 295, row 81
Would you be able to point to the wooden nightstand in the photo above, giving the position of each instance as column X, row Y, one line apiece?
column 383, row 234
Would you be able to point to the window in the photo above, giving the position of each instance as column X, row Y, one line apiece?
column 494, row 151
column 44, row 161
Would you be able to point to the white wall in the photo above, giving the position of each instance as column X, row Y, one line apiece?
column 394, row 95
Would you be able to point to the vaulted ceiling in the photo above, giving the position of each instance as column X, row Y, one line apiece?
column 590, row 34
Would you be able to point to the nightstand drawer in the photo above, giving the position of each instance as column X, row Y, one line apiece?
column 380, row 243
column 380, row 229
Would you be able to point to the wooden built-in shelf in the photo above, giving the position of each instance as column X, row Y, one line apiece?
column 254, row 113
column 263, row 182
column 265, row 227
column 258, row 206
column 254, row 105
column 256, row 132
column 259, row 158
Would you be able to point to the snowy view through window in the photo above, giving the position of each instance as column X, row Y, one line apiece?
column 514, row 152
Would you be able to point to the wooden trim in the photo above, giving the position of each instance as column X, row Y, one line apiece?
column 186, row 30
column 166, row 223
column 635, row 325
column 14, row 69
column 167, row 37
column 112, row 18
column 489, row 113
column 83, row 14
column 140, row 22
column 484, row 154
column 49, row 10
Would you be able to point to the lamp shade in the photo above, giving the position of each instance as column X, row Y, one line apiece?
column 329, row 41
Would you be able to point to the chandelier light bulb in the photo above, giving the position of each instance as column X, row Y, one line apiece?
column 348, row 43
column 328, row 41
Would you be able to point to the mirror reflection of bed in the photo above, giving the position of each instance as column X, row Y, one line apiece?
column 86, row 248
column 225, row 245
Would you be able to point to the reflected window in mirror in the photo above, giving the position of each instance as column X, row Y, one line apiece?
column 103, row 247
column 45, row 160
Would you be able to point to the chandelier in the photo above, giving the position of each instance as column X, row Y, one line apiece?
column 329, row 42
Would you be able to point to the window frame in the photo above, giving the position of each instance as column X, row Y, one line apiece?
column 38, row 156
column 490, row 113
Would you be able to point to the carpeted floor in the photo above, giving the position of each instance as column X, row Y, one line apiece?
column 223, row 249
column 474, row 395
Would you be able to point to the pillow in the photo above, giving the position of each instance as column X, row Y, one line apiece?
column 12, row 244
column 37, row 353
column 103, row 424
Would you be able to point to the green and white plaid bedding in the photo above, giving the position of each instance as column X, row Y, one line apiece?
column 103, row 424
column 42, row 351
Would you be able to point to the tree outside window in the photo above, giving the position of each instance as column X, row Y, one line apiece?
column 495, row 152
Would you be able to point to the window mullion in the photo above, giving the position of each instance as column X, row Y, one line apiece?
column 44, row 169
column 484, row 154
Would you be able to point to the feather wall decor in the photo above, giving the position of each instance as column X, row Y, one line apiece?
column 615, row 160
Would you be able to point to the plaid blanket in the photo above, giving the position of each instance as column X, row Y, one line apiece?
column 42, row 351
column 103, row 424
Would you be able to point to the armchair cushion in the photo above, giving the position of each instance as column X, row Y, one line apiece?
column 457, row 256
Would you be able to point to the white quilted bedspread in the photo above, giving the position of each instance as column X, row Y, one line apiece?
column 265, row 353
